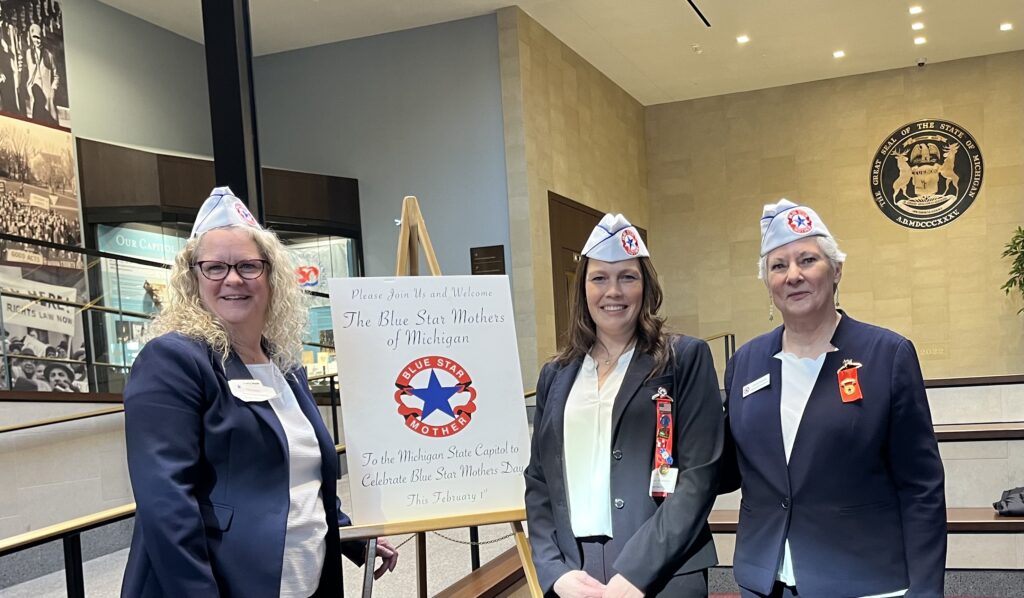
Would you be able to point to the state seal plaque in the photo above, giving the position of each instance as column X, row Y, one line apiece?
column 926, row 173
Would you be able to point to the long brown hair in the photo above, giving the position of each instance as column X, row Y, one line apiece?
column 651, row 336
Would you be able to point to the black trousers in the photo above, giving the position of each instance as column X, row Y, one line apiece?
column 598, row 564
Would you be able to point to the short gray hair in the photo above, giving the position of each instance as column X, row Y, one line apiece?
column 827, row 245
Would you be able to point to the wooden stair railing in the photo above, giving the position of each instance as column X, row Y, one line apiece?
column 494, row 578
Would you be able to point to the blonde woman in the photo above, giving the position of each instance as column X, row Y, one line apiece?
column 232, row 467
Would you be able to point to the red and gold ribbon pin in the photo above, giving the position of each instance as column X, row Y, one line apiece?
column 849, row 384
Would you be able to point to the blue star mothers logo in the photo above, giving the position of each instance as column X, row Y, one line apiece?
column 436, row 397
column 799, row 221
column 629, row 242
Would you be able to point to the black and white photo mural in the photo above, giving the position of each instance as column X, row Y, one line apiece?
column 39, row 204
column 32, row 67
column 37, row 192
column 38, row 197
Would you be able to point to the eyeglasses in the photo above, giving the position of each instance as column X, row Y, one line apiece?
column 247, row 269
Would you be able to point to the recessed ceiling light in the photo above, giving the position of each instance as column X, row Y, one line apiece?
column 838, row 54
column 920, row 40
column 743, row 39
column 1006, row 27
column 917, row 26
column 916, row 10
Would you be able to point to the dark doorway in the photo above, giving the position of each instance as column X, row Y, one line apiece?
column 570, row 224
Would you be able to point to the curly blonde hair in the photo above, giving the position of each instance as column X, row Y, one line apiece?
column 287, row 310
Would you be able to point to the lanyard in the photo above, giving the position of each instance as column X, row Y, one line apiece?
column 663, row 435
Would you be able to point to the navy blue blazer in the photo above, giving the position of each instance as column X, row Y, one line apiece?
column 654, row 539
column 862, row 498
column 210, row 477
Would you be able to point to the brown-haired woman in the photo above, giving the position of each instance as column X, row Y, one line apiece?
column 627, row 438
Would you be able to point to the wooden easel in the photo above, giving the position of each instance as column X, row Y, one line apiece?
column 413, row 232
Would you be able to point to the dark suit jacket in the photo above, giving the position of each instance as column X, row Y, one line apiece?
column 862, row 498
column 653, row 539
column 210, row 477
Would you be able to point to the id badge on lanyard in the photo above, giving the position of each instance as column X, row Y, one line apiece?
column 664, row 476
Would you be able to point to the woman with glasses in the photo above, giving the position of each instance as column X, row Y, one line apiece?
column 233, row 470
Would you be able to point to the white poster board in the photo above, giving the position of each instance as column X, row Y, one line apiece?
column 431, row 396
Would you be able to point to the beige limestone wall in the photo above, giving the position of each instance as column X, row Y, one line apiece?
column 714, row 162
column 55, row 473
column 571, row 130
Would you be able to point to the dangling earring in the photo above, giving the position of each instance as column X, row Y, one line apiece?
column 837, row 296
column 771, row 309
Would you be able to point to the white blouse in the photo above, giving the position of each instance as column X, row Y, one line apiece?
column 305, row 540
column 588, row 447
column 798, row 378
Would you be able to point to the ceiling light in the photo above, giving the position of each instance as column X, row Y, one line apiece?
column 916, row 10
column 1006, row 27
column 743, row 39
column 838, row 54
column 920, row 40
column 917, row 26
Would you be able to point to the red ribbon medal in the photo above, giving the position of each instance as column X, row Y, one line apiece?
column 849, row 384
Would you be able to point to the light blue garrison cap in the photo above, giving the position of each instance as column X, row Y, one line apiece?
column 785, row 222
column 614, row 239
column 222, row 209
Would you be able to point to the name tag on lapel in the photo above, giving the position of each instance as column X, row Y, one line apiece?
column 251, row 391
column 757, row 385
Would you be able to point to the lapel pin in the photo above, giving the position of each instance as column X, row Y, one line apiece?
column 849, row 383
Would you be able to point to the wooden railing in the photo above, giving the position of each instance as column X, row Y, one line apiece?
column 729, row 340
column 62, row 419
column 980, row 520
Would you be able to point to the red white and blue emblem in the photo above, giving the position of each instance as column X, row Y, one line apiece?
column 630, row 244
column 435, row 396
column 245, row 214
column 799, row 221
column 308, row 276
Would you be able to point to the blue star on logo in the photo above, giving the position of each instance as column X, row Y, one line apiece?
column 435, row 397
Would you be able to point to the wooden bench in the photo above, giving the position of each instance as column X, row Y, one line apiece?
column 980, row 520
column 975, row 432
